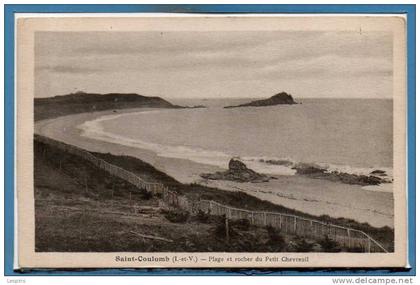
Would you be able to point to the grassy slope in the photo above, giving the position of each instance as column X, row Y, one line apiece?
column 77, row 210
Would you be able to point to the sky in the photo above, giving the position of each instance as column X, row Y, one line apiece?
column 182, row 64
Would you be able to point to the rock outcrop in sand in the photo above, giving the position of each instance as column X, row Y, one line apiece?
column 315, row 171
column 238, row 172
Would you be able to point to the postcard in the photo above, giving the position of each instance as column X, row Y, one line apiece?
column 211, row 141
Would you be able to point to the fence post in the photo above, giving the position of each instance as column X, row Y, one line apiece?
column 265, row 218
column 312, row 229
column 369, row 245
column 86, row 186
column 295, row 225
column 281, row 222
column 227, row 228
column 349, row 238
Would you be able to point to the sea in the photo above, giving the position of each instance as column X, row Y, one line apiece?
column 346, row 135
column 353, row 136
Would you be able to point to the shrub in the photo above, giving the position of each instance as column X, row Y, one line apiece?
column 147, row 195
column 329, row 245
column 241, row 224
column 275, row 239
column 202, row 216
column 220, row 230
column 301, row 245
column 355, row 249
column 177, row 216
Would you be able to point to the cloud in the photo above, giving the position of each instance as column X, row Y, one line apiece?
column 331, row 66
column 126, row 43
column 166, row 60
column 67, row 69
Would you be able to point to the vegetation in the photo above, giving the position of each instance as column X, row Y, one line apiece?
column 354, row 249
column 275, row 240
column 202, row 216
column 329, row 245
column 300, row 244
column 177, row 216
column 242, row 224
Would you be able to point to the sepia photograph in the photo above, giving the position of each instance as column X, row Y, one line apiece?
column 211, row 141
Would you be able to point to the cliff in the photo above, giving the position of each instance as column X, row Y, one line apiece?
column 279, row 99
column 81, row 102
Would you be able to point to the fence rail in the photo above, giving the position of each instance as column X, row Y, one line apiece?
column 292, row 224
column 289, row 224
column 104, row 165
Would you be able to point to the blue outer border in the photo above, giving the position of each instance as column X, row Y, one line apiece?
column 9, row 104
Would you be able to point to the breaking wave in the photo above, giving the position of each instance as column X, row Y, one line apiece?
column 268, row 165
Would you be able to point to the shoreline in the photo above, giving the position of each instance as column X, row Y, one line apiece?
column 374, row 178
column 297, row 192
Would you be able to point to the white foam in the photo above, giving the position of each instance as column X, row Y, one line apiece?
column 357, row 170
column 384, row 187
column 258, row 164
column 94, row 129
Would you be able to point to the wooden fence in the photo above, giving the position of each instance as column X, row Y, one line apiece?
column 289, row 224
column 104, row 165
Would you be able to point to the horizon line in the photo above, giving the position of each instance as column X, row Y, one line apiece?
column 215, row 98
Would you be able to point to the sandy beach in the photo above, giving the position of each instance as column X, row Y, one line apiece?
column 313, row 196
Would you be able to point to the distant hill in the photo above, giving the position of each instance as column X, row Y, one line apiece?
column 81, row 102
column 278, row 99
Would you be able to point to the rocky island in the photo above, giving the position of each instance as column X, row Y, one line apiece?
column 237, row 172
column 279, row 99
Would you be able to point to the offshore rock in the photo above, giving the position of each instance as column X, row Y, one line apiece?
column 279, row 99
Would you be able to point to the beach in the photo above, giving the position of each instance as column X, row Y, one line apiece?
column 313, row 196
